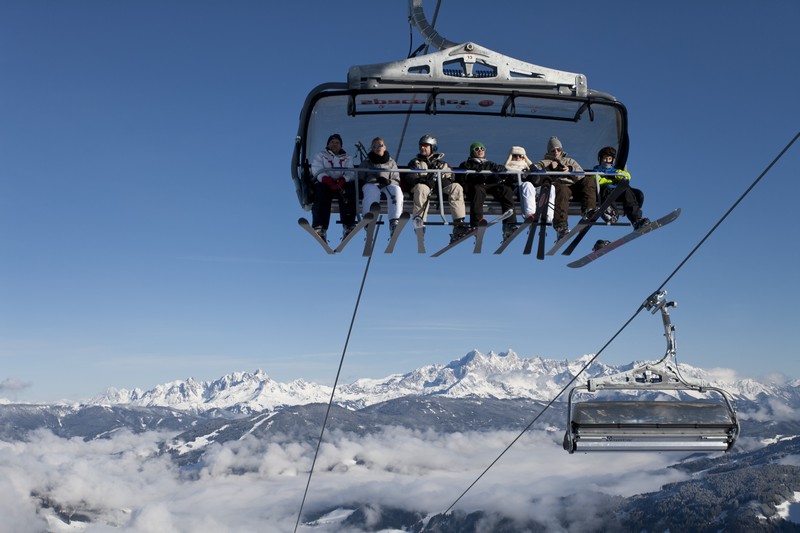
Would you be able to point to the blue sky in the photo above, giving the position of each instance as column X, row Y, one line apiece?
column 148, row 219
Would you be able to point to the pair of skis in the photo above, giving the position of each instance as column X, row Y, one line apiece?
column 539, row 219
column 580, row 230
column 476, row 231
column 367, row 223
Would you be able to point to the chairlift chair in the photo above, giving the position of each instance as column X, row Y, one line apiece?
column 461, row 93
column 662, row 424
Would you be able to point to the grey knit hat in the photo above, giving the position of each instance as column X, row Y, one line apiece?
column 554, row 143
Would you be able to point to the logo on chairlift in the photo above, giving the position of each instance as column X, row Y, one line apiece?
column 440, row 101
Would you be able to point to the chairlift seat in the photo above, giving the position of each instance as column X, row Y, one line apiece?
column 652, row 426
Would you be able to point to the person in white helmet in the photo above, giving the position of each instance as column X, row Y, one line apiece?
column 422, row 184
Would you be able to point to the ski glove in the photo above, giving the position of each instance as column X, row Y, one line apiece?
column 329, row 181
column 383, row 182
column 422, row 175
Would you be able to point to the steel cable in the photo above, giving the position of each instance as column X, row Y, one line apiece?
column 336, row 380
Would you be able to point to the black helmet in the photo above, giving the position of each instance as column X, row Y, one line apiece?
column 429, row 139
column 608, row 150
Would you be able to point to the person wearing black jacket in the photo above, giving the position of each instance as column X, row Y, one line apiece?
column 487, row 180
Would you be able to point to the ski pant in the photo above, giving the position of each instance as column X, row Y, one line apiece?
column 528, row 195
column 455, row 199
column 632, row 201
column 476, row 192
column 372, row 195
column 324, row 196
column 584, row 191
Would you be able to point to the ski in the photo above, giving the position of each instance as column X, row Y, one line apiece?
column 477, row 231
column 419, row 230
column 525, row 224
column 481, row 231
column 582, row 227
column 369, row 240
column 652, row 226
column 529, row 240
column 542, row 208
column 306, row 225
column 401, row 222
column 366, row 219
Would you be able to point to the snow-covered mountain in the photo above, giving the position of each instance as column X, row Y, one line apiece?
column 503, row 375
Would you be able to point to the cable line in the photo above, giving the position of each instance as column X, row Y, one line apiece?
column 625, row 325
column 336, row 380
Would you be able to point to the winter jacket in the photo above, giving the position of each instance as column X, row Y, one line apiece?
column 435, row 162
column 566, row 164
column 481, row 165
column 374, row 161
column 335, row 162
column 611, row 180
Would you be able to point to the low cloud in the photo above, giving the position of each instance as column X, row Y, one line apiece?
column 124, row 483
column 773, row 411
column 13, row 385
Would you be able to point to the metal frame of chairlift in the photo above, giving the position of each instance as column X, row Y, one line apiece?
column 455, row 70
column 653, row 425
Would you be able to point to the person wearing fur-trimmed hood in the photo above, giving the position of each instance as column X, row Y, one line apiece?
column 528, row 192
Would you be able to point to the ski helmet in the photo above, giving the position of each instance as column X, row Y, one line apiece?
column 608, row 150
column 429, row 139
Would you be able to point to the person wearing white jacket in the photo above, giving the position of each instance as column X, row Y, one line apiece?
column 331, row 182
column 518, row 161
column 381, row 180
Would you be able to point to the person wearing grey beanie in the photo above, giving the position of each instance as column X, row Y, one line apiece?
column 583, row 188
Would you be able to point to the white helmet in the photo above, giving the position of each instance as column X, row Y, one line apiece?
column 429, row 139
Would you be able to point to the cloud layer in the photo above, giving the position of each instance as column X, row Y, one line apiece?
column 125, row 484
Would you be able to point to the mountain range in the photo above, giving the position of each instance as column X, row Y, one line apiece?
column 502, row 375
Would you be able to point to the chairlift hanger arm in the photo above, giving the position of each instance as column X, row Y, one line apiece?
column 417, row 16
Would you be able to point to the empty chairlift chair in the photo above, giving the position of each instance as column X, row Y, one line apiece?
column 661, row 424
